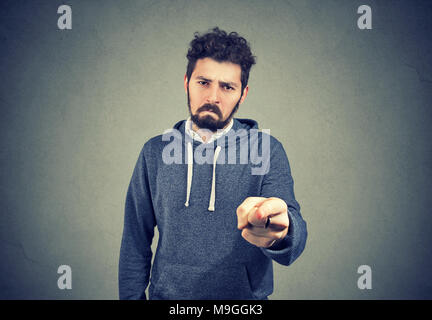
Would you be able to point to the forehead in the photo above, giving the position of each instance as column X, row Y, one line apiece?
column 214, row 70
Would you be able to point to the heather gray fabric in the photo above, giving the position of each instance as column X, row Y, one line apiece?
column 201, row 253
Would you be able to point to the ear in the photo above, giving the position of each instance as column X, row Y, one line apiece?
column 185, row 83
column 245, row 92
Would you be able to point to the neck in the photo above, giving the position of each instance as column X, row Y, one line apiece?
column 205, row 134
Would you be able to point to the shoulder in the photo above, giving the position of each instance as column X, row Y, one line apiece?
column 265, row 139
column 156, row 144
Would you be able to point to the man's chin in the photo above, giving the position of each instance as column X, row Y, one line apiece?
column 208, row 122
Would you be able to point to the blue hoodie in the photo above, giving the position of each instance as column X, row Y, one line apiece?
column 190, row 191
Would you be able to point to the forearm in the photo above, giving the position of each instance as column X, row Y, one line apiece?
column 138, row 231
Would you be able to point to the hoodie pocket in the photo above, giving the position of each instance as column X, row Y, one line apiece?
column 183, row 282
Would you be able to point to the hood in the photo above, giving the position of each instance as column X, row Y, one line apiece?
column 239, row 124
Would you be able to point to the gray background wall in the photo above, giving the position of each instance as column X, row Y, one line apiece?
column 352, row 108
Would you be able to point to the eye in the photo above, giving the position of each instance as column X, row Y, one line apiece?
column 228, row 88
column 203, row 83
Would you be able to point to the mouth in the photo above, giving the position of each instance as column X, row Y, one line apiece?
column 210, row 112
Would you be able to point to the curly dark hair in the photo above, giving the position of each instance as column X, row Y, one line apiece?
column 220, row 46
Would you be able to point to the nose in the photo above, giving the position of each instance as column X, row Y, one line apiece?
column 213, row 95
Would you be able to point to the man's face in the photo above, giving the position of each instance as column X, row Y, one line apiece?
column 214, row 93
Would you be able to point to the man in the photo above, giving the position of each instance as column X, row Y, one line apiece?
column 222, row 217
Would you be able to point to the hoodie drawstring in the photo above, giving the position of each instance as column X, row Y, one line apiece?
column 213, row 188
column 190, row 173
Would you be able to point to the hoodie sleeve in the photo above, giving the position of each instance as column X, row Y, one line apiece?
column 278, row 183
column 138, row 231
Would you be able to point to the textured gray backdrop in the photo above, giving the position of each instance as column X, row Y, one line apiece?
column 352, row 108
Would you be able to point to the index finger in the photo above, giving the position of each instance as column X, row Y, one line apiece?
column 245, row 208
column 269, row 208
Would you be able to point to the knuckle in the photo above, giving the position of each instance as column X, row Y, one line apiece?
column 245, row 233
column 259, row 213
column 240, row 210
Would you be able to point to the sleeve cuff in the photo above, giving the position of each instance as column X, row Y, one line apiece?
column 285, row 245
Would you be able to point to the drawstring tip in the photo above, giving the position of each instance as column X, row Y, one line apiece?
column 211, row 208
column 186, row 204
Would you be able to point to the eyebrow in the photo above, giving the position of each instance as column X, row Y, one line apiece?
column 232, row 84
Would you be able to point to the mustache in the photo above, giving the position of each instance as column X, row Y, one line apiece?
column 210, row 107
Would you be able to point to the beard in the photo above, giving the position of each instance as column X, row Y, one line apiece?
column 208, row 121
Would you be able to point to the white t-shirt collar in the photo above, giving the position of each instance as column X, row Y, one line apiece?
column 196, row 136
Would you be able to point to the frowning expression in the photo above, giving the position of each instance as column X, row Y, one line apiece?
column 214, row 93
